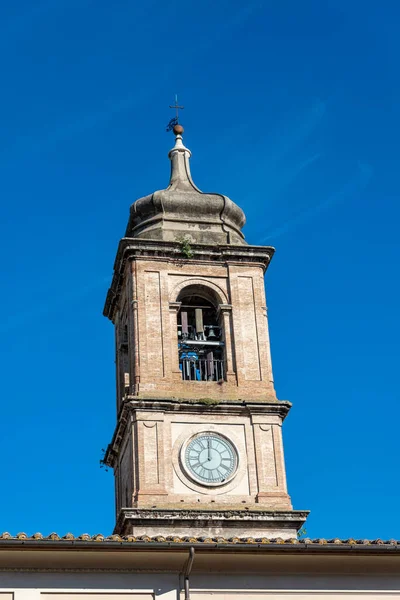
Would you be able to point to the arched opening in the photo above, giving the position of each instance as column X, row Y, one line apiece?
column 200, row 335
column 122, row 357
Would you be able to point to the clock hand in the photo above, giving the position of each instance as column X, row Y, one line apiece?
column 209, row 448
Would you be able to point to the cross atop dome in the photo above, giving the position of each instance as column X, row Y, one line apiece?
column 177, row 108
column 182, row 209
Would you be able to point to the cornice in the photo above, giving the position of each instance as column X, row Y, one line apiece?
column 141, row 249
column 288, row 517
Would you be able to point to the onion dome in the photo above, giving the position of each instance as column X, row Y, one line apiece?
column 182, row 210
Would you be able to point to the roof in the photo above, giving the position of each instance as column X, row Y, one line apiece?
column 207, row 218
column 142, row 554
column 6, row 539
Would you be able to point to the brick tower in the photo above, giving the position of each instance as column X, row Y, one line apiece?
column 197, row 448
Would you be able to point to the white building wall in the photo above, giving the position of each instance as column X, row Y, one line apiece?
column 158, row 586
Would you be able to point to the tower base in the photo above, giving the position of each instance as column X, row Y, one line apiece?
column 210, row 523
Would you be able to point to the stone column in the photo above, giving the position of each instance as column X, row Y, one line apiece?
column 173, row 314
column 224, row 313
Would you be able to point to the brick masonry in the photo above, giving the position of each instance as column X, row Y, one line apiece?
column 179, row 239
column 149, row 307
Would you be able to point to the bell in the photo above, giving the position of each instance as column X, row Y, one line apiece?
column 211, row 333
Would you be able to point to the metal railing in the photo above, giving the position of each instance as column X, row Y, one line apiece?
column 202, row 369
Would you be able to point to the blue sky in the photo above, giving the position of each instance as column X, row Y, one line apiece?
column 291, row 109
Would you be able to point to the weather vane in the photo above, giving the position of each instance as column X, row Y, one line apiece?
column 175, row 120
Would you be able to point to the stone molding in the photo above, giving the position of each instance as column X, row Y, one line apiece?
column 202, row 281
column 137, row 249
column 226, row 522
column 220, row 515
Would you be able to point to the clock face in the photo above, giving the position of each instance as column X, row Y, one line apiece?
column 210, row 458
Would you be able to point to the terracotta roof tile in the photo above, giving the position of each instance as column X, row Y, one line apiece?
column 85, row 537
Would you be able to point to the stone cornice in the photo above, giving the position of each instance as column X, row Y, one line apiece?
column 208, row 517
column 238, row 408
column 140, row 249
column 148, row 514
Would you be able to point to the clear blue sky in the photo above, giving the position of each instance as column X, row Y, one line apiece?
column 291, row 109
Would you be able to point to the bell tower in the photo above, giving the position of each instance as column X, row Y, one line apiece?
column 197, row 449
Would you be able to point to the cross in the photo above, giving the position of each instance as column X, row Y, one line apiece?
column 177, row 108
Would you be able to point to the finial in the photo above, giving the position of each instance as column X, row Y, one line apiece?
column 178, row 129
column 174, row 122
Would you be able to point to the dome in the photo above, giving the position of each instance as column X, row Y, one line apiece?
column 183, row 211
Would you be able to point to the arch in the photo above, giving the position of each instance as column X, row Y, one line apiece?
column 200, row 330
column 219, row 293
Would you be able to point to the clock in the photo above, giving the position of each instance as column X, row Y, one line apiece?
column 210, row 458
